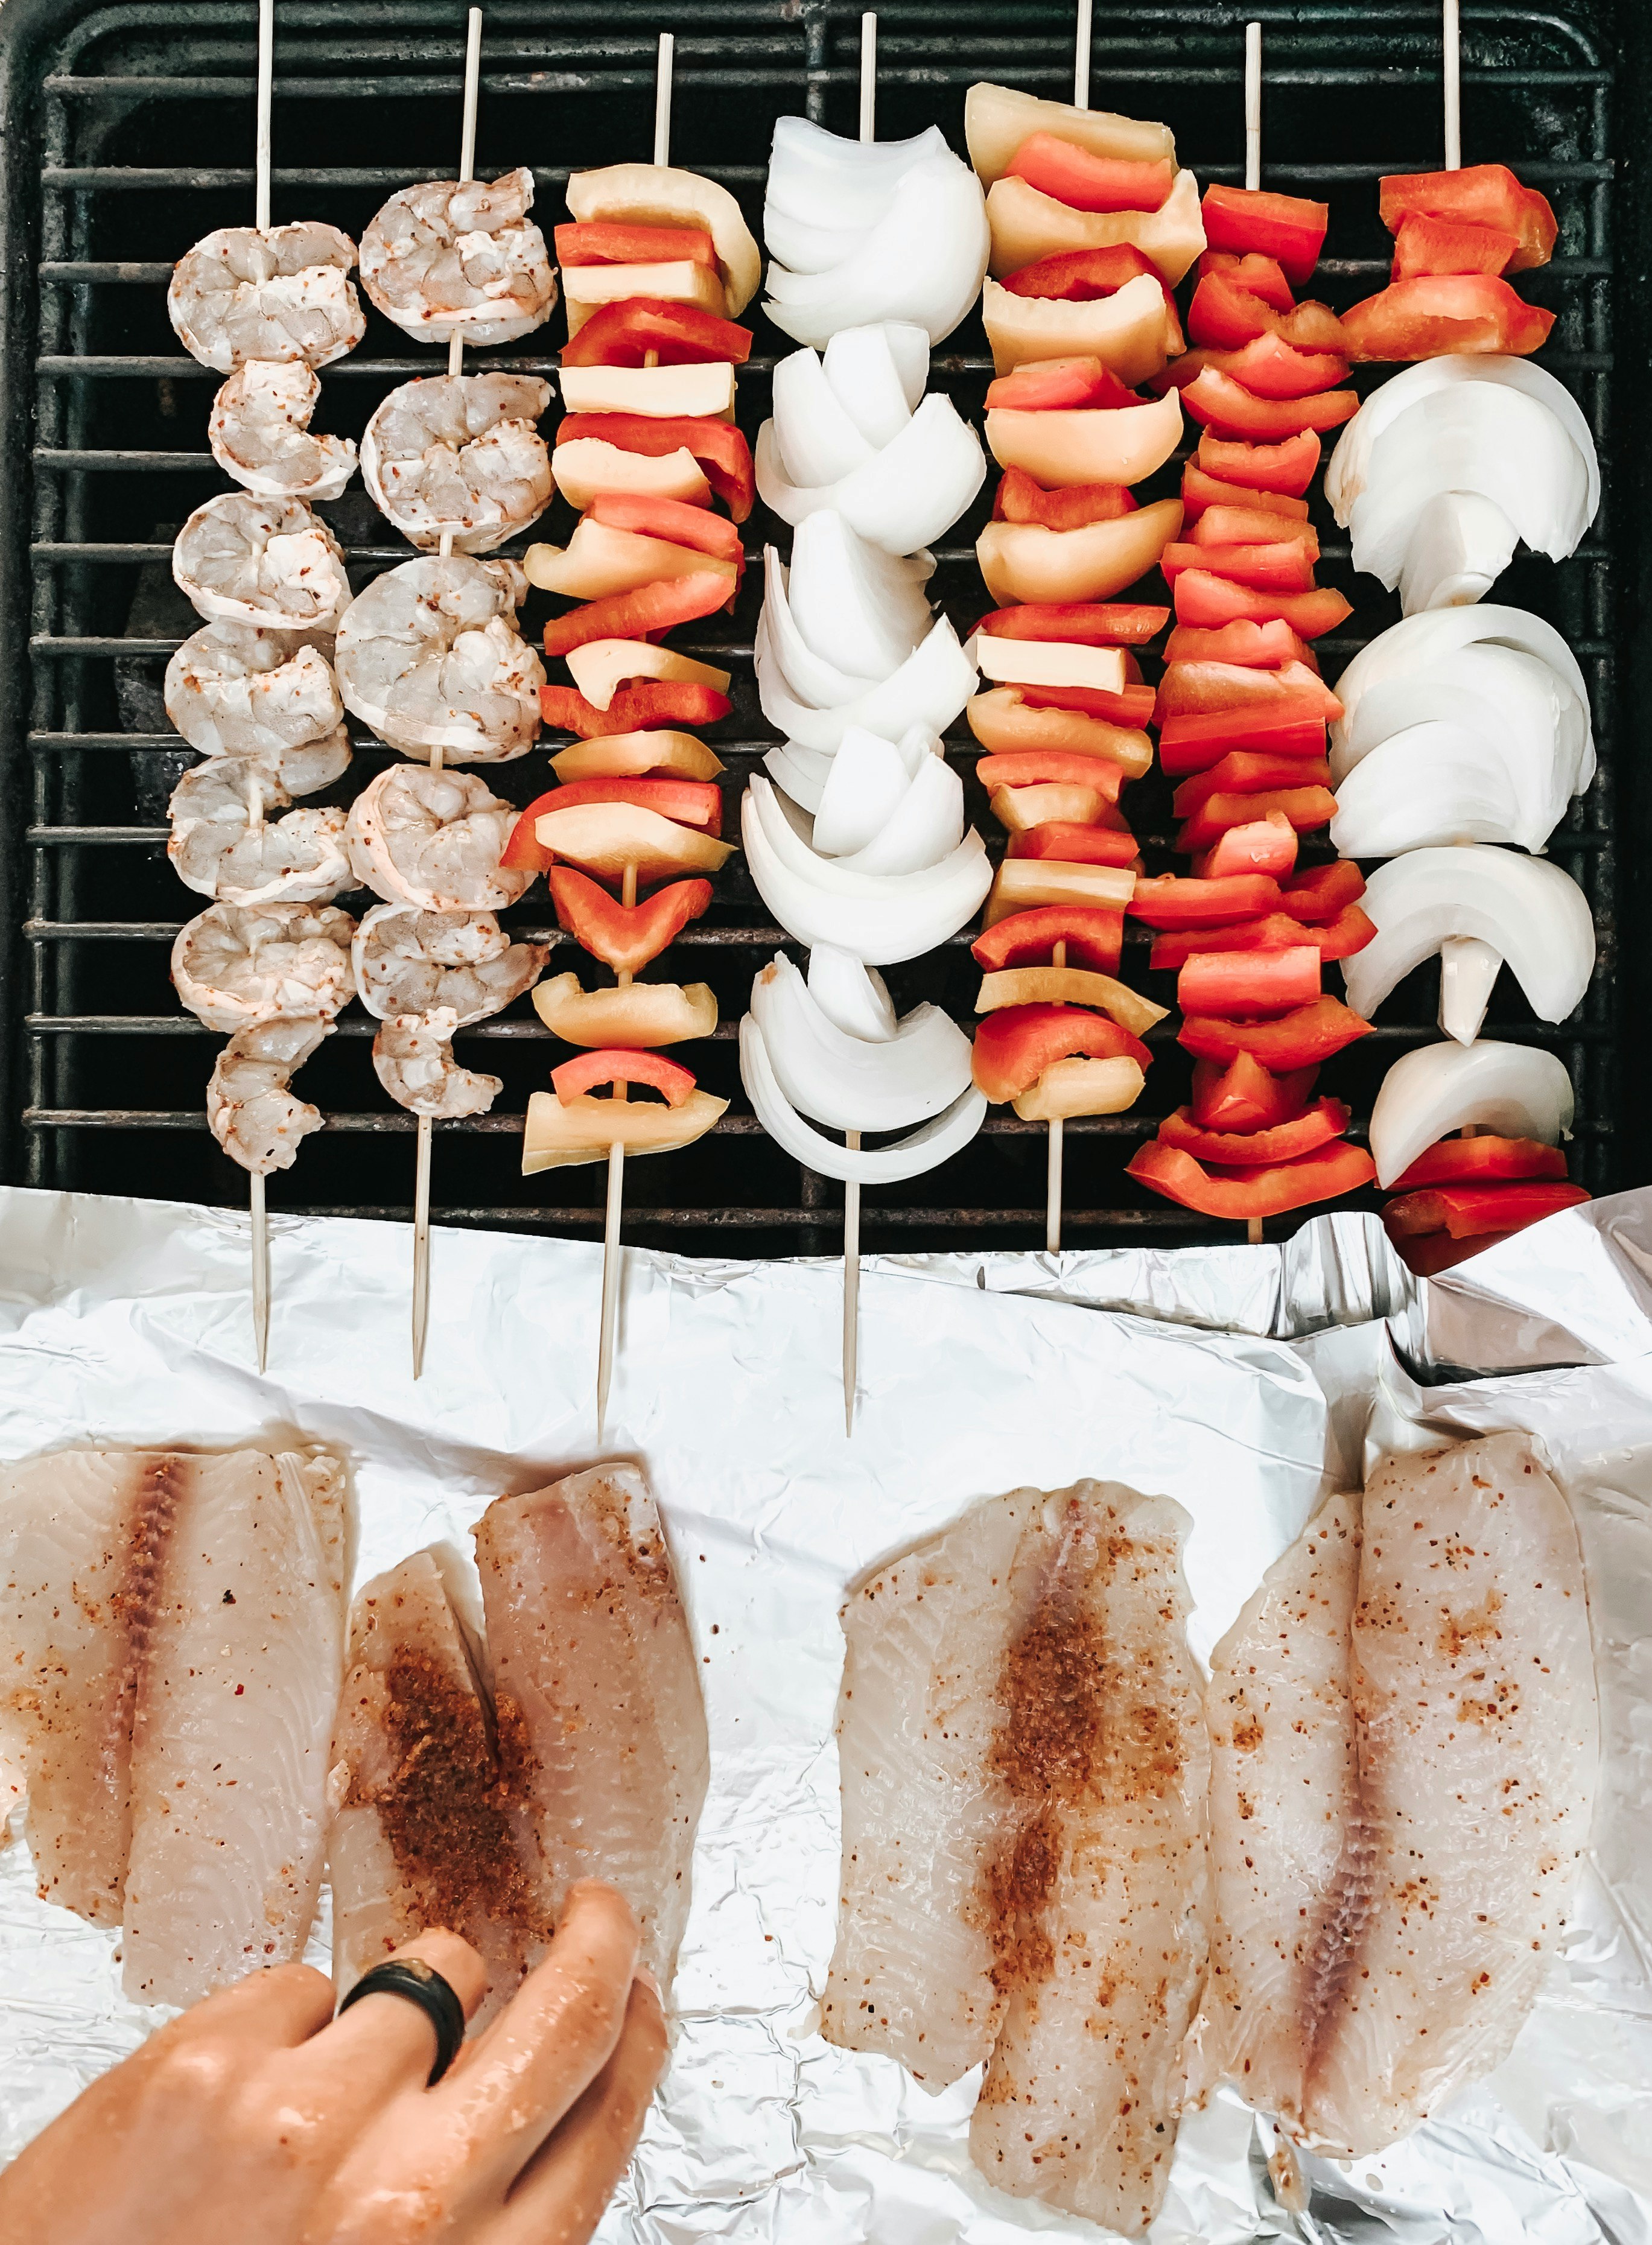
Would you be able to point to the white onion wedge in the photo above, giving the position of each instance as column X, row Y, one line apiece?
column 845, row 1082
column 879, row 920
column 924, row 828
column 801, row 773
column 854, row 996
column 819, row 440
column 1520, row 1091
column 1469, row 969
column 818, row 683
column 1348, row 470
column 928, row 1146
column 855, row 605
column 877, row 374
column 1419, row 644
column 1528, row 911
column 929, row 689
column 867, row 783
column 909, row 492
column 821, row 179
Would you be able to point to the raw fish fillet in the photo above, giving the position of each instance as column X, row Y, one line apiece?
column 601, row 1727
column 1098, row 1901
column 424, row 1834
column 177, row 1627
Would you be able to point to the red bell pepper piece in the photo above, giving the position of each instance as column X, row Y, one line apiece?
column 1283, row 565
column 1080, row 276
column 613, row 241
column 1301, row 1039
column 1253, row 646
column 1015, row 1045
column 1306, row 807
column 1093, row 938
column 1243, row 1096
column 642, row 707
column 1200, row 492
column 1048, row 385
column 1089, row 623
column 1077, row 845
column 1467, row 1211
column 1483, row 194
column 1258, row 845
column 1266, row 366
column 1225, row 316
column 1323, row 891
column 1484, row 1159
column 720, row 448
column 1238, row 525
column 1208, row 600
column 669, row 519
column 1018, row 498
column 1257, row 276
column 694, row 802
column 1291, row 726
column 1131, row 707
column 1339, row 938
column 1288, row 229
column 1087, row 182
column 1449, row 245
column 586, row 1070
column 1039, row 767
column 1209, row 689
column 680, row 335
column 1325, row 1120
column 1238, row 1195
column 1171, row 900
column 1256, row 771
column 1286, row 467
column 1218, row 402
column 624, row 937
column 1433, row 317
column 1248, row 982
column 648, row 611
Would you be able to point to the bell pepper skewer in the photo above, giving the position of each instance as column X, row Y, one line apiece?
column 609, row 1318
column 1252, row 181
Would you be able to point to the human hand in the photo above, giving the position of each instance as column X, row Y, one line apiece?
column 257, row 2116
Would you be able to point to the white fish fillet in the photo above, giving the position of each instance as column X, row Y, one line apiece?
column 424, row 1834
column 597, row 1692
column 177, row 1625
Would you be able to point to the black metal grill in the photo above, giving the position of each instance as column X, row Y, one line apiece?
column 127, row 133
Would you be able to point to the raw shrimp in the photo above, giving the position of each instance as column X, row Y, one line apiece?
column 244, row 690
column 260, row 434
column 279, row 292
column 409, row 964
column 223, row 845
column 430, row 656
column 234, row 965
column 252, row 1113
column 433, row 839
column 262, row 561
column 460, row 453
column 414, row 1062
column 449, row 258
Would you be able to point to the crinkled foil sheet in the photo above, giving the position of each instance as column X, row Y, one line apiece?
column 1245, row 1382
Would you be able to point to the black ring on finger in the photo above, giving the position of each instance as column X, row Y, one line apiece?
column 420, row 1984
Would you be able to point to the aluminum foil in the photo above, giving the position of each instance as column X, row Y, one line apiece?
column 128, row 1321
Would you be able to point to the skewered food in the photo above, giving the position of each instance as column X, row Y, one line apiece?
column 224, row 844
column 237, row 965
column 458, row 456
column 266, row 561
column 278, row 293
column 409, row 961
column 433, row 840
column 429, row 655
column 251, row 1108
column 460, row 258
column 244, row 690
column 260, row 434
column 413, row 1059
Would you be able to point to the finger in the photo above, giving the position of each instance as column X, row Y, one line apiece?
column 386, row 2042
column 550, row 2043
column 558, row 2197
column 279, row 2007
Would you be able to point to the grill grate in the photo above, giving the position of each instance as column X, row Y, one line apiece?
column 106, row 421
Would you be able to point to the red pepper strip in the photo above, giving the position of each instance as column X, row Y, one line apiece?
column 1200, row 491
column 1018, row 498
column 1015, row 1045
column 1323, row 891
column 1077, row 845
column 720, row 448
column 1093, row 938
column 1268, row 367
column 1325, row 1120
column 1244, row 1097
column 1426, row 1257
column 1288, row 229
column 1132, row 706
column 614, row 241
column 1253, row 646
column 1441, row 315
column 696, row 803
column 1259, row 845
column 1241, row 524
column 669, row 519
column 624, row 938
column 586, row 1070
column 1449, row 245
column 1089, row 623
column 1292, row 726
column 1248, row 771
column 1085, row 182
column 1262, row 276
column 1286, row 467
column 1210, row 601
column 1467, row 1211
column 1339, row 938
column 1247, row 982
column 1306, row 807
column 676, row 702
column 1171, row 900
column 1283, row 565
column 1312, row 1033
column 1040, row 767
column 1080, row 276
column 1325, row 1174
column 1209, row 689
column 1219, row 403
column 1049, row 384
column 647, row 613
column 1485, row 195
column 1225, row 316
column 682, row 335
column 1482, row 1160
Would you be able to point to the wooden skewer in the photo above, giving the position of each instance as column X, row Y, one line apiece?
column 664, row 71
column 610, row 1316
column 1451, row 41
column 260, row 1265
column 1253, row 105
column 1057, row 1149
column 266, row 92
column 1081, row 58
